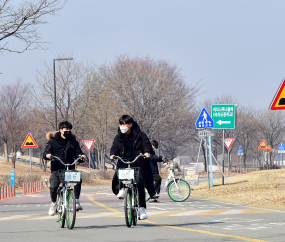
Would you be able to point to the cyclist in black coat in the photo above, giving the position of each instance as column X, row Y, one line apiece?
column 63, row 145
column 129, row 143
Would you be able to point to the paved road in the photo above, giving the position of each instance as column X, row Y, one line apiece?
column 25, row 219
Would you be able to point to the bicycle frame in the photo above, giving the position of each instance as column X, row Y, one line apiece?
column 170, row 175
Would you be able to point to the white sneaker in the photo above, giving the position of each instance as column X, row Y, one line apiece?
column 121, row 194
column 52, row 209
column 143, row 214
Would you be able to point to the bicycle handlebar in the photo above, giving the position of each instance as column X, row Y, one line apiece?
column 129, row 162
column 64, row 163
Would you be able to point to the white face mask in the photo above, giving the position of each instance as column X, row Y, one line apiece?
column 124, row 129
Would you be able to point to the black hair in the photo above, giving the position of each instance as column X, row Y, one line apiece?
column 65, row 124
column 155, row 143
column 126, row 119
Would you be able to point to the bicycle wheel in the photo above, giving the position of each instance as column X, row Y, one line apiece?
column 135, row 213
column 128, row 207
column 61, row 217
column 70, row 209
column 180, row 194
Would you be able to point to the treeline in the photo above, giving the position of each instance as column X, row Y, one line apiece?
column 93, row 98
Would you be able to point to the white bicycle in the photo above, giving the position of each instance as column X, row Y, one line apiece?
column 178, row 189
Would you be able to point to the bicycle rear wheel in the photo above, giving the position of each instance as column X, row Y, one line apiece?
column 128, row 207
column 180, row 192
column 70, row 209
column 61, row 217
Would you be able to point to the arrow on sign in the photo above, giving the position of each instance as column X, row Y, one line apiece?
column 220, row 122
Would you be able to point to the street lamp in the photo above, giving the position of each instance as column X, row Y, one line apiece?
column 55, row 112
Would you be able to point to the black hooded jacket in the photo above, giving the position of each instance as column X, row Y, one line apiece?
column 66, row 150
column 140, row 143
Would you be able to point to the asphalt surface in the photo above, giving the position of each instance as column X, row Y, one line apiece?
column 25, row 218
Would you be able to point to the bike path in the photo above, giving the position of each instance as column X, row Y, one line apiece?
column 103, row 219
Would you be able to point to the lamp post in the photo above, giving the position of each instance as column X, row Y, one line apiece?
column 54, row 80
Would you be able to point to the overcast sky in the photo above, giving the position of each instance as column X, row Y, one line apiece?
column 233, row 47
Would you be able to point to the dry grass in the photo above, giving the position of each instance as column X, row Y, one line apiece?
column 264, row 189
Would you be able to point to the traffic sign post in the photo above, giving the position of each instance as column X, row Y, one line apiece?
column 263, row 146
column 30, row 143
column 88, row 144
column 228, row 142
column 281, row 149
column 224, row 117
column 12, row 178
column 240, row 153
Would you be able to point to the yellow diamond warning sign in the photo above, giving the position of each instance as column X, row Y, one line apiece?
column 263, row 145
column 29, row 142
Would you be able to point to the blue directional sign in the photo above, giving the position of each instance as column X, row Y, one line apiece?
column 240, row 150
column 276, row 157
column 12, row 178
column 204, row 120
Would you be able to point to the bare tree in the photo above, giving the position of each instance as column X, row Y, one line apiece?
column 14, row 99
column 21, row 22
column 156, row 95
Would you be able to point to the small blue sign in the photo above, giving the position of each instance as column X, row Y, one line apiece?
column 281, row 156
column 281, row 146
column 204, row 120
column 240, row 150
column 12, row 178
column 276, row 157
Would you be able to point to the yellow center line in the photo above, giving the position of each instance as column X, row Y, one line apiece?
column 103, row 190
column 102, row 205
column 180, row 228
column 206, row 232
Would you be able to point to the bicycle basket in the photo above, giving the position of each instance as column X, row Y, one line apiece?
column 128, row 173
column 71, row 176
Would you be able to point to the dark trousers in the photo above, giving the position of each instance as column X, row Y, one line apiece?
column 157, row 182
column 54, row 184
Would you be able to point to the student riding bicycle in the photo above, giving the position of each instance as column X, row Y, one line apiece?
column 63, row 145
column 129, row 143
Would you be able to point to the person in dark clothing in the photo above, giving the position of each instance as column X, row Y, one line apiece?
column 129, row 143
column 155, row 172
column 63, row 145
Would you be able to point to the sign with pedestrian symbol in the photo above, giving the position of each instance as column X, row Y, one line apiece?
column 281, row 148
column 88, row 144
column 204, row 120
column 263, row 145
column 29, row 142
column 224, row 116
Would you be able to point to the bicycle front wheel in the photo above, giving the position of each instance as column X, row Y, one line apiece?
column 70, row 209
column 179, row 191
column 135, row 213
column 128, row 207
column 61, row 217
